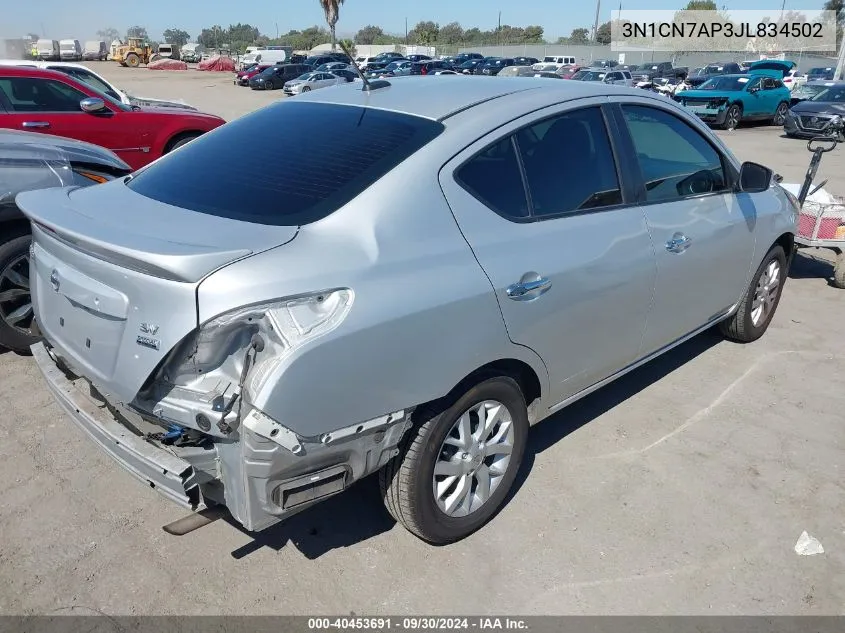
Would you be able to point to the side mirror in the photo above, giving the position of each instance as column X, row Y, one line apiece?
column 754, row 178
column 754, row 89
column 92, row 104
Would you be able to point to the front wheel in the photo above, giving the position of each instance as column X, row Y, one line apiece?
column 732, row 117
column 780, row 114
column 457, row 464
column 758, row 305
column 839, row 271
column 306, row 89
column 182, row 141
column 133, row 61
column 268, row 85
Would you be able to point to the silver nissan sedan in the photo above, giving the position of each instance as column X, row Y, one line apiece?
column 420, row 271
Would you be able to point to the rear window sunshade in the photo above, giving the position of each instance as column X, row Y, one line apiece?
column 285, row 165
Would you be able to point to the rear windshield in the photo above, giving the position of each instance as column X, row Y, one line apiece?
column 288, row 164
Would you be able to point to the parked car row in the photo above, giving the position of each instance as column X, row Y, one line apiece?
column 69, row 107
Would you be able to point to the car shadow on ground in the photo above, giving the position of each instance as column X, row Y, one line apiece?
column 358, row 514
column 806, row 265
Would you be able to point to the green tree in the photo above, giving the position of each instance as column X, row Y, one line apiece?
column 579, row 36
column 701, row 5
column 137, row 31
column 451, row 33
column 534, row 35
column 838, row 6
column 109, row 35
column 177, row 37
column 368, row 34
column 331, row 9
column 350, row 46
column 424, row 33
column 212, row 37
column 603, row 34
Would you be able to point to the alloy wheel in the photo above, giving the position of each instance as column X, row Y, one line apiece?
column 766, row 293
column 474, row 458
column 15, row 299
column 780, row 115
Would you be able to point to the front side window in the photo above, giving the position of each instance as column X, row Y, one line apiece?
column 676, row 161
column 29, row 94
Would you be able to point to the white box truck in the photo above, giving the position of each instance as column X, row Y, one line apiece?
column 95, row 50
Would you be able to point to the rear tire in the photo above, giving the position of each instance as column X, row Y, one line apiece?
column 133, row 61
column 419, row 501
column 14, row 271
column 758, row 305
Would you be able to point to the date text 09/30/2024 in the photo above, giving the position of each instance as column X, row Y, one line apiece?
column 419, row 623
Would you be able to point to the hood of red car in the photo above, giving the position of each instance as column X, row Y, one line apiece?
column 192, row 114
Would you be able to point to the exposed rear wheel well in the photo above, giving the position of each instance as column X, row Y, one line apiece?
column 520, row 371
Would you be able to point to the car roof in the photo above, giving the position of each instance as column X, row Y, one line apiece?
column 438, row 97
column 29, row 71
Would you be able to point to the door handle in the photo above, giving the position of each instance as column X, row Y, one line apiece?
column 678, row 244
column 526, row 290
column 35, row 124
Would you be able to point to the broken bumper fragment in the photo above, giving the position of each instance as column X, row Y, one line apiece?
column 168, row 474
column 262, row 472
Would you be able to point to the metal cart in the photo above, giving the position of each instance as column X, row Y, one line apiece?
column 822, row 224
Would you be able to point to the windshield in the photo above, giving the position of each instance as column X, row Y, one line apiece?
column 833, row 93
column 726, row 83
column 393, row 65
column 579, row 74
column 68, row 47
column 820, row 71
column 94, row 83
column 349, row 149
column 593, row 76
column 469, row 64
column 305, row 77
column 713, row 70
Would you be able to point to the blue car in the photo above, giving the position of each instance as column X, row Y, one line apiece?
column 727, row 100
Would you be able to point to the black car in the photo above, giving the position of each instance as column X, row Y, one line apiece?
column 375, row 67
column 32, row 160
column 813, row 116
column 348, row 75
column 821, row 74
column 525, row 61
column 460, row 58
column 389, row 56
column 713, row 70
column 275, row 77
column 326, row 58
column 428, row 67
column 418, row 58
column 606, row 63
column 470, row 67
column 493, row 66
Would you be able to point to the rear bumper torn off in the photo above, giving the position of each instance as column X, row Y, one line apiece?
column 170, row 475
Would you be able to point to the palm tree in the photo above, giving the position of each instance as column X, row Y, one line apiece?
column 332, row 10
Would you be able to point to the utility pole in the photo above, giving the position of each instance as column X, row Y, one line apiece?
column 596, row 25
column 840, row 64
column 277, row 30
column 499, row 30
column 406, row 31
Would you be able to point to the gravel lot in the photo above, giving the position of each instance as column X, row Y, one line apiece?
column 680, row 489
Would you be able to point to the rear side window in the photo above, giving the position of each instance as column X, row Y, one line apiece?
column 285, row 165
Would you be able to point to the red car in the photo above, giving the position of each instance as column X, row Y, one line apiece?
column 243, row 77
column 55, row 103
column 567, row 71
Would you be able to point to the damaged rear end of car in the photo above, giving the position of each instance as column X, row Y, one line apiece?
column 172, row 313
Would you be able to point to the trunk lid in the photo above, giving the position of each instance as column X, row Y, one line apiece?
column 114, row 276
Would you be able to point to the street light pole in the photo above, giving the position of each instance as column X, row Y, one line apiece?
column 840, row 64
column 499, row 30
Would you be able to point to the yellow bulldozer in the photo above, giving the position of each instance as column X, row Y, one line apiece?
column 135, row 52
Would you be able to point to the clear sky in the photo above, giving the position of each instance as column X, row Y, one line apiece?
column 59, row 19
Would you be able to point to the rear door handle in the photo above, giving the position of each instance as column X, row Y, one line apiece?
column 678, row 244
column 35, row 124
column 527, row 290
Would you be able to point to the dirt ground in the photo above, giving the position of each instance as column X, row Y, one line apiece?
column 680, row 489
